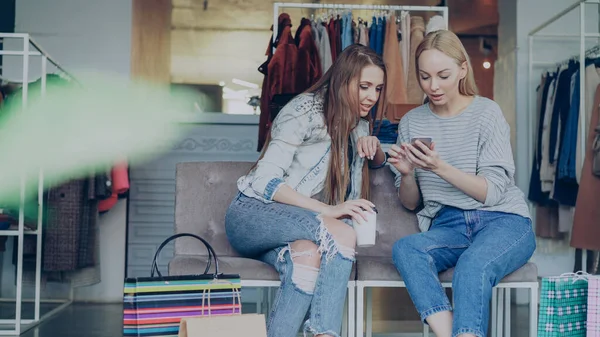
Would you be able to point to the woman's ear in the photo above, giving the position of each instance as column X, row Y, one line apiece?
column 464, row 68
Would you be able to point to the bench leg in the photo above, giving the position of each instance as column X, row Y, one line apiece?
column 351, row 315
column 344, row 332
column 507, row 300
column 360, row 313
column 369, row 326
column 533, row 312
column 494, row 328
column 500, row 313
column 260, row 299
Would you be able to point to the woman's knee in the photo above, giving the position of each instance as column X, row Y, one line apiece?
column 343, row 236
column 306, row 261
column 305, row 252
column 406, row 246
column 472, row 269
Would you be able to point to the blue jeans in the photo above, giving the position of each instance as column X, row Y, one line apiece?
column 264, row 231
column 483, row 247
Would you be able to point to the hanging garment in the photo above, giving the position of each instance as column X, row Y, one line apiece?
column 586, row 222
column 379, row 36
column 405, row 45
column 315, row 33
column 546, row 219
column 263, row 124
column 338, row 31
column 347, row 35
column 592, row 80
column 546, row 169
column 279, row 71
column 535, row 186
column 308, row 64
column 120, row 186
column 324, row 47
column 363, row 36
column 561, row 110
column 435, row 23
column 303, row 23
column 71, row 211
column 331, row 30
column 395, row 88
column 373, row 34
column 546, row 222
column 567, row 157
column 565, row 188
column 417, row 34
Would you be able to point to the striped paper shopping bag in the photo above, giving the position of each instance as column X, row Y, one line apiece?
column 154, row 306
column 593, row 314
column 563, row 306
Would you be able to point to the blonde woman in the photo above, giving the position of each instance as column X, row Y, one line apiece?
column 473, row 216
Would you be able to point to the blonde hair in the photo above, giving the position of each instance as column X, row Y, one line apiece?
column 448, row 43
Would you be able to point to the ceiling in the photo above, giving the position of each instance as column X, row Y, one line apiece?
column 467, row 17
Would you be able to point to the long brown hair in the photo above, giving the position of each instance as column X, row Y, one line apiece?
column 448, row 43
column 339, row 87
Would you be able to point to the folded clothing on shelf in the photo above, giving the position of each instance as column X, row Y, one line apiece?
column 385, row 131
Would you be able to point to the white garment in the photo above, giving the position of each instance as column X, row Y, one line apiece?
column 565, row 218
column 546, row 172
column 405, row 43
column 323, row 46
column 435, row 23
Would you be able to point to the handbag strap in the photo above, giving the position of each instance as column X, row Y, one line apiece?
column 212, row 256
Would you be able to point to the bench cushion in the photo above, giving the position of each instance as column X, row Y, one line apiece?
column 203, row 193
column 248, row 269
column 382, row 269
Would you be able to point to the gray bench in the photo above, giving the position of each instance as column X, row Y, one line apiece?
column 205, row 189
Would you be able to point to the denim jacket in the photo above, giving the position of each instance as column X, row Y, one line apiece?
column 299, row 151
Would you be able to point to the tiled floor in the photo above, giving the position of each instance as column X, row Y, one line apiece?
column 105, row 320
column 89, row 320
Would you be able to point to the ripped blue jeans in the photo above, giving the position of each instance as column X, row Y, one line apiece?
column 265, row 232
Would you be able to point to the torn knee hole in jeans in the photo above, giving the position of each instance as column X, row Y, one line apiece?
column 327, row 244
column 303, row 276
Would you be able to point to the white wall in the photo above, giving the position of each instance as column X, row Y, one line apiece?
column 517, row 19
column 81, row 35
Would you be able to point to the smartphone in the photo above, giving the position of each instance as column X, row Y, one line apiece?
column 425, row 140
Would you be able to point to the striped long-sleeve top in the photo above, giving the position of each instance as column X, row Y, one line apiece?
column 476, row 141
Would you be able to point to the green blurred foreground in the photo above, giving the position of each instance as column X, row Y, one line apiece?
column 76, row 129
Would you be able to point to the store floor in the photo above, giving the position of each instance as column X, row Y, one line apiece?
column 105, row 320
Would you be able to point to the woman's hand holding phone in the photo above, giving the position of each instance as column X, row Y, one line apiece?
column 421, row 155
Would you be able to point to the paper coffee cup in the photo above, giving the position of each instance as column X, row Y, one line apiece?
column 366, row 231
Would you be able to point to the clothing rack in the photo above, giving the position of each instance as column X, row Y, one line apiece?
column 595, row 50
column 278, row 5
column 22, row 325
column 582, row 36
column 39, row 52
column 442, row 10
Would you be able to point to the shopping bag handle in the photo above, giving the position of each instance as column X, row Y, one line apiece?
column 212, row 256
